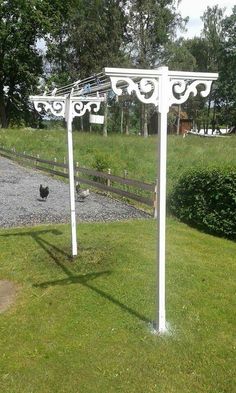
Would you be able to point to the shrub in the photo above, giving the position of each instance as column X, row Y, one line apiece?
column 101, row 163
column 207, row 199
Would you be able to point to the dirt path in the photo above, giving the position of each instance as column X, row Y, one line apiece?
column 7, row 294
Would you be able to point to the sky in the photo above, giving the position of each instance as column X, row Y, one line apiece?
column 195, row 9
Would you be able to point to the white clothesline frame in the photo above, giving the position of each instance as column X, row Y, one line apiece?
column 160, row 87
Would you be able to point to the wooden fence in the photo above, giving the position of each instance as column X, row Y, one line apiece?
column 91, row 177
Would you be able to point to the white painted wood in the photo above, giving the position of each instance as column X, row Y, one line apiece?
column 71, row 176
column 143, row 73
column 96, row 119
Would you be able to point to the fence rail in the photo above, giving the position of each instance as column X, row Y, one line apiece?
column 106, row 185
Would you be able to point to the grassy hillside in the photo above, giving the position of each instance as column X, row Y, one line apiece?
column 84, row 326
column 132, row 153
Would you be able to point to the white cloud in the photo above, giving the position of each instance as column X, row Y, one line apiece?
column 195, row 9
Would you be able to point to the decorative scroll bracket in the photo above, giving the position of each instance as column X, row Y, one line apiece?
column 57, row 105
column 160, row 87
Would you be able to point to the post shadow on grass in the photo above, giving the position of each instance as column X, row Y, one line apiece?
column 81, row 279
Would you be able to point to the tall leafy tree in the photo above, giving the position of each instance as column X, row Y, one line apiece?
column 22, row 22
column 198, row 48
column 206, row 51
column 227, row 77
column 58, row 58
column 178, row 56
column 91, row 36
column 213, row 34
column 152, row 24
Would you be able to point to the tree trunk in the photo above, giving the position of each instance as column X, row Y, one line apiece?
column 213, row 122
column 121, row 119
column 208, row 113
column 127, row 121
column 144, row 127
column 141, row 119
column 105, row 119
column 3, row 114
column 82, row 123
column 178, row 119
column 145, row 123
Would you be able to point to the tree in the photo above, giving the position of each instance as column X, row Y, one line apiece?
column 213, row 34
column 22, row 22
column 179, row 57
column 227, row 75
column 90, row 36
column 152, row 23
column 206, row 51
column 198, row 47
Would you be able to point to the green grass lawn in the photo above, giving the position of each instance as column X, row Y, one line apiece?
column 132, row 153
column 83, row 326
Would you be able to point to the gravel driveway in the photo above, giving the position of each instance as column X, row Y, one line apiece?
column 21, row 204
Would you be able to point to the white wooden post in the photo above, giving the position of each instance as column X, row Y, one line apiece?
column 69, row 120
column 155, row 202
column 163, row 109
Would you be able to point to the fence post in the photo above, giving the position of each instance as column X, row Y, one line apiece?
column 77, row 169
column 54, row 167
column 108, row 180
column 36, row 162
column 125, row 176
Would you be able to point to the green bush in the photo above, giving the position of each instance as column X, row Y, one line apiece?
column 102, row 162
column 207, row 199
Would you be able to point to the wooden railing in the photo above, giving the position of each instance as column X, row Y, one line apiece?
column 123, row 186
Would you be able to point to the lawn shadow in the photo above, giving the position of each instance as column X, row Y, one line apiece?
column 83, row 279
column 55, row 254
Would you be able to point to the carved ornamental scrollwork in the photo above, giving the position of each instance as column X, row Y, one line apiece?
column 57, row 107
column 160, row 87
column 146, row 89
column 80, row 107
column 180, row 90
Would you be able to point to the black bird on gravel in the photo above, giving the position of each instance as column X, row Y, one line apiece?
column 44, row 191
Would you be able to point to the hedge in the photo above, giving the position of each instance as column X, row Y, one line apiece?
column 206, row 199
